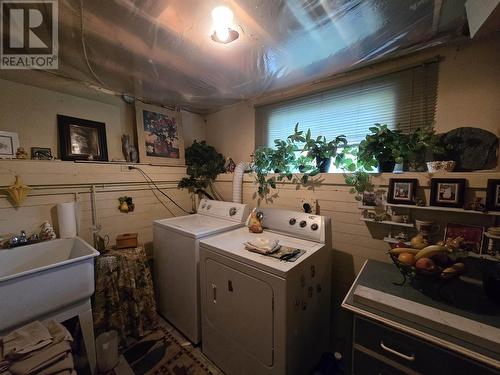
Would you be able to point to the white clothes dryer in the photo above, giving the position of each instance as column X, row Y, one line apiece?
column 261, row 315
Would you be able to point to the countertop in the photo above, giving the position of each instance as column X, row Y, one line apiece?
column 429, row 316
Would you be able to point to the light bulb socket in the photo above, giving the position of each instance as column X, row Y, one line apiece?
column 233, row 35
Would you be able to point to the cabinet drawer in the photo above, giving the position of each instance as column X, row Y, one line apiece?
column 367, row 365
column 413, row 353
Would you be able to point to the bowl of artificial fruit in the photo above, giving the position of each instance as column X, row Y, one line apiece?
column 422, row 260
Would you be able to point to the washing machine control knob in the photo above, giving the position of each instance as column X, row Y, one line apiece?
column 303, row 223
column 292, row 221
column 314, row 226
column 209, row 207
column 203, row 205
column 232, row 211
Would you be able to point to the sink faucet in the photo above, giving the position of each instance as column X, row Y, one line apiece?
column 22, row 239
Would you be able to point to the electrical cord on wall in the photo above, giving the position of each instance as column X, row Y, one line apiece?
column 150, row 182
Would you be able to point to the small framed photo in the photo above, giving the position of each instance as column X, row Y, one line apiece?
column 402, row 190
column 81, row 139
column 372, row 198
column 9, row 143
column 493, row 195
column 41, row 153
column 472, row 235
column 159, row 135
column 448, row 192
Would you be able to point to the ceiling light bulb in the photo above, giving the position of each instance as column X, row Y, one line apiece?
column 222, row 34
column 222, row 16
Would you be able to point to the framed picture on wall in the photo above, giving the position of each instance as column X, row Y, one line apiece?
column 472, row 236
column 159, row 135
column 81, row 139
column 9, row 143
column 448, row 192
column 402, row 190
column 493, row 195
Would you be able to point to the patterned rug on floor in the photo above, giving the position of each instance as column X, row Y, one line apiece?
column 161, row 353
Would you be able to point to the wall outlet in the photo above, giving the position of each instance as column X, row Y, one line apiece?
column 312, row 202
column 124, row 168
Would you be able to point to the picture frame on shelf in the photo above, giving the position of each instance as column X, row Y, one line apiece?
column 448, row 192
column 81, row 139
column 402, row 191
column 473, row 236
column 9, row 143
column 159, row 135
column 41, row 153
column 493, row 195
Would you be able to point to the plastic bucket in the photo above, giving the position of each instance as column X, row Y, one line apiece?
column 107, row 351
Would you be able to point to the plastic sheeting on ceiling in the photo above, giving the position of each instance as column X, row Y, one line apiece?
column 161, row 50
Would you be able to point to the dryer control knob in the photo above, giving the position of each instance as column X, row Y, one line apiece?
column 303, row 223
column 209, row 207
column 314, row 226
column 292, row 221
column 232, row 211
column 203, row 205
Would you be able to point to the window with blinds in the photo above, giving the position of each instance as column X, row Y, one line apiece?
column 404, row 100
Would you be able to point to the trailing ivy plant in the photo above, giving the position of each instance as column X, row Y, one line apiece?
column 356, row 171
column 204, row 164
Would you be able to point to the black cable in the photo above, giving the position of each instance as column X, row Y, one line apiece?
column 150, row 180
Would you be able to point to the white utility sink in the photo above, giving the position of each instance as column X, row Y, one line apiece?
column 48, row 280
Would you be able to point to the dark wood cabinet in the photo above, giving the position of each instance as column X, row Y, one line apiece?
column 378, row 349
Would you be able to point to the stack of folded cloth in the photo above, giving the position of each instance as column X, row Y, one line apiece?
column 37, row 349
column 262, row 245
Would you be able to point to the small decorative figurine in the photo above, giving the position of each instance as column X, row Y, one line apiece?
column 47, row 232
column 254, row 223
column 230, row 165
column 18, row 192
column 129, row 150
column 126, row 204
column 476, row 205
column 21, row 154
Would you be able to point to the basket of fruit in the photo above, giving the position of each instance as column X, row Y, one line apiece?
column 438, row 262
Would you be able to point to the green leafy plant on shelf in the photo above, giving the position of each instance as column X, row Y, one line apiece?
column 204, row 164
column 297, row 153
column 382, row 148
column 421, row 146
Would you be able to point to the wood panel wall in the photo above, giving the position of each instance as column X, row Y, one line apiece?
column 58, row 181
column 354, row 240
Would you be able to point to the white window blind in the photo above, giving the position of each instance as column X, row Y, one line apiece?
column 403, row 100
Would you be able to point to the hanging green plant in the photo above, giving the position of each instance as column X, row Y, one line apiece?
column 204, row 164
column 355, row 171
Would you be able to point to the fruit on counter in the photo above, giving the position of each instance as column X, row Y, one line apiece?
column 441, row 259
column 419, row 242
column 425, row 264
column 453, row 270
column 407, row 259
column 400, row 250
column 430, row 251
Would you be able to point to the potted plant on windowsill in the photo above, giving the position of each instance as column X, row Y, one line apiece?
column 323, row 151
column 422, row 146
column 383, row 145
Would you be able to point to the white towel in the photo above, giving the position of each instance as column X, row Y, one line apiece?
column 262, row 245
column 26, row 339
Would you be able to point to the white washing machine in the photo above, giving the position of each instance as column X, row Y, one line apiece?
column 261, row 315
column 176, row 256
